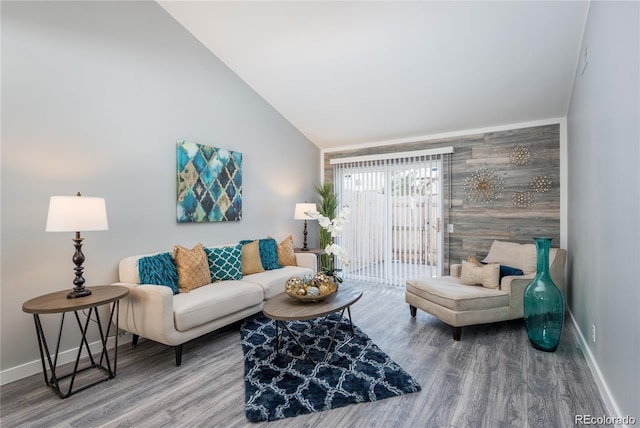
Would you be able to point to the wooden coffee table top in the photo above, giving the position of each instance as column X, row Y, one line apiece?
column 286, row 308
column 57, row 302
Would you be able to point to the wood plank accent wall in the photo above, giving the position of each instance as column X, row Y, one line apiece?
column 477, row 225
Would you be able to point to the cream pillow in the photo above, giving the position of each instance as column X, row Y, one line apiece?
column 488, row 275
column 286, row 255
column 251, row 261
column 192, row 266
column 521, row 256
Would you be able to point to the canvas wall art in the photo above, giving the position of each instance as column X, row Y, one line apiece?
column 209, row 183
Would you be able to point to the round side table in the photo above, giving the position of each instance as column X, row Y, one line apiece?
column 58, row 303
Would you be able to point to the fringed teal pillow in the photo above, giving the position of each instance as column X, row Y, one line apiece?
column 225, row 263
column 159, row 270
column 268, row 253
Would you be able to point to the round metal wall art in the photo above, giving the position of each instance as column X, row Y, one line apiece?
column 520, row 155
column 484, row 186
column 522, row 199
column 541, row 183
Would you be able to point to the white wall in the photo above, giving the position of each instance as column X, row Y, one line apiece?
column 94, row 97
column 604, row 200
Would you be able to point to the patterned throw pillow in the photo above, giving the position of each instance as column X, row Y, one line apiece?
column 159, row 269
column 251, row 262
column 192, row 266
column 225, row 263
column 286, row 255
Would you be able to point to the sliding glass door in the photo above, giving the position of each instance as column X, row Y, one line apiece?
column 395, row 229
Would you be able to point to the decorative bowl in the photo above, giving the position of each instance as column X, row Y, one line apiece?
column 310, row 288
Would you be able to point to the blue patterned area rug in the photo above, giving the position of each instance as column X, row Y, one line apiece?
column 278, row 386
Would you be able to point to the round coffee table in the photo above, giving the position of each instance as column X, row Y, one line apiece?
column 283, row 308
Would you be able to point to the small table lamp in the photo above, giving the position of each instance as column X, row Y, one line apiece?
column 300, row 214
column 77, row 214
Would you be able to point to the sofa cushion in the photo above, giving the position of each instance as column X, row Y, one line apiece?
column 448, row 292
column 521, row 256
column 286, row 254
column 192, row 266
column 225, row 262
column 213, row 301
column 272, row 281
column 486, row 275
column 159, row 269
column 251, row 262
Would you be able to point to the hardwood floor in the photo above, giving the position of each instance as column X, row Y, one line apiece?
column 491, row 378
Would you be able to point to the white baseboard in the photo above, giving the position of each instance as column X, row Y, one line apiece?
column 33, row 367
column 609, row 402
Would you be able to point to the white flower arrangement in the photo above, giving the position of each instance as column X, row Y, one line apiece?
column 334, row 227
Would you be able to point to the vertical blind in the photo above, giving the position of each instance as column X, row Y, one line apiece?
column 395, row 228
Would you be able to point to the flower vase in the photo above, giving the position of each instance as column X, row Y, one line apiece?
column 543, row 303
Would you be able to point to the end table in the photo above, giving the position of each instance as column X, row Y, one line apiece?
column 317, row 251
column 58, row 302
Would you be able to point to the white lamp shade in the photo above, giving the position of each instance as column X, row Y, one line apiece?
column 76, row 214
column 303, row 208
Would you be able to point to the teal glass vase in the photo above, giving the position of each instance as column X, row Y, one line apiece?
column 543, row 303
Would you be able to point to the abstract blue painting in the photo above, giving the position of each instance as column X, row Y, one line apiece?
column 209, row 183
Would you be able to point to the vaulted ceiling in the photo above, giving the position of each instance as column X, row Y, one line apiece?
column 350, row 73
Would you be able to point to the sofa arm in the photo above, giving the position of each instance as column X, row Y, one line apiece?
column 308, row 260
column 147, row 311
column 515, row 285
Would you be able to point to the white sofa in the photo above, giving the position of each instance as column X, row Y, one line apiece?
column 155, row 313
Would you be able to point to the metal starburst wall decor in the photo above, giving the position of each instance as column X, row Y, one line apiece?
column 520, row 155
column 484, row 186
column 541, row 183
column 522, row 199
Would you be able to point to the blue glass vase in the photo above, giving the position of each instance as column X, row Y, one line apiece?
column 543, row 304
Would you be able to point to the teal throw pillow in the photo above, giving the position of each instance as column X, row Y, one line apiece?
column 225, row 263
column 507, row 270
column 268, row 253
column 159, row 270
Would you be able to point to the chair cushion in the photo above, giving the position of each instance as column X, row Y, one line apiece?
column 521, row 256
column 213, row 301
column 447, row 291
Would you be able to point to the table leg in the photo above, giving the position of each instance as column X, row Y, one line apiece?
column 304, row 350
column 277, row 336
column 46, row 358
column 299, row 344
column 115, row 309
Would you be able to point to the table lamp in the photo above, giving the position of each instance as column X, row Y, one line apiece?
column 300, row 214
column 77, row 214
